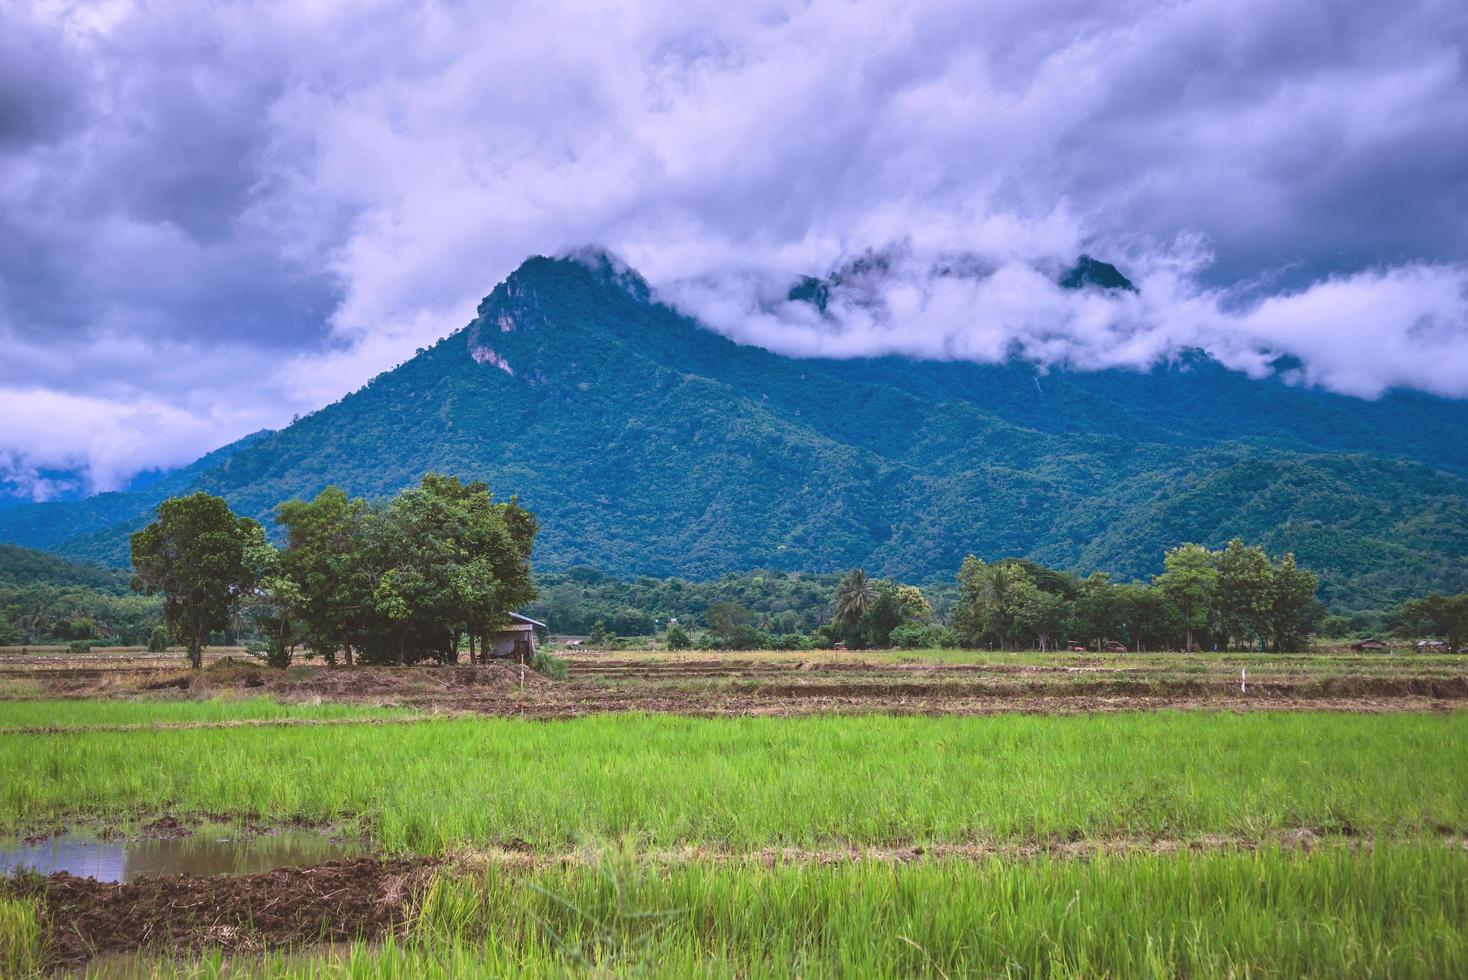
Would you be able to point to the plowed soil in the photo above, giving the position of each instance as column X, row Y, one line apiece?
column 744, row 684
column 334, row 902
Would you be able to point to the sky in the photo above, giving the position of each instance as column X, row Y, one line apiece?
column 216, row 216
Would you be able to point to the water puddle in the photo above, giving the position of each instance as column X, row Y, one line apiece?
column 205, row 852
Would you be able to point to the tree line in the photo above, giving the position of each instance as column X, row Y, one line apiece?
column 1233, row 598
column 398, row 582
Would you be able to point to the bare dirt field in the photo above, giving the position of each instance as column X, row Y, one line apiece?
column 734, row 683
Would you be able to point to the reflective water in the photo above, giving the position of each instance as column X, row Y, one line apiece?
column 204, row 853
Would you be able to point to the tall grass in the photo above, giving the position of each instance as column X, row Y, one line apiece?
column 1393, row 911
column 80, row 714
column 752, row 782
column 20, row 937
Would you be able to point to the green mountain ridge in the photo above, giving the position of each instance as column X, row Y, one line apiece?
column 648, row 444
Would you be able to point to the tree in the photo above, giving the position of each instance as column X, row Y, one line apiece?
column 158, row 640
column 1293, row 607
column 990, row 599
column 1004, row 590
column 1099, row 613
column 853, row 595
column 915, row 606
column 1189, row 581
column 194, row 553
column 967, row 615
column 1044, row 615
column 724, row 619
column 1442, row 615
column 677, row 637
column 1244, row 592
column 324, row 559
column 885, row 613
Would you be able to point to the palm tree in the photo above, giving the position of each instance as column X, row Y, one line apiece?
column 855, row 593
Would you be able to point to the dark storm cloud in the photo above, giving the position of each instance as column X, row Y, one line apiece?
column 215, row 215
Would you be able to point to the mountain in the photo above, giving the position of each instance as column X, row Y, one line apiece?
column 27, row 567
column 650, row 445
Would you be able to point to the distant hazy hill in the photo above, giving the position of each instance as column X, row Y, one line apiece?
column 650, row 445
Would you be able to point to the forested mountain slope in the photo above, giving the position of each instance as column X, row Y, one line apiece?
column 650, row 445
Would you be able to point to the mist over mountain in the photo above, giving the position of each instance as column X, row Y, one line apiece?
column 648, row 444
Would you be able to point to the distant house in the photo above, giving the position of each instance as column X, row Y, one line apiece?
column 1431, row 646
column 1114, row 647
column 1370, row 643
column 516, row 638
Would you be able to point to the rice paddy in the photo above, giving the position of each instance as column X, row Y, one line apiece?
column 1195, row 842
column 752, row 782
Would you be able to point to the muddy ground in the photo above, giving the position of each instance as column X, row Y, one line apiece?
column 789, row 684
column 338, row 901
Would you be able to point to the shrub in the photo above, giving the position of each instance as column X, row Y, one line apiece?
column 916, row 636
column 79, row 646
column 548, row 666
column 790, row 641
column 158, row 640
column 677, row 638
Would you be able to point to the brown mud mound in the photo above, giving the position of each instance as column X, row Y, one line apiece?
column 339, row 901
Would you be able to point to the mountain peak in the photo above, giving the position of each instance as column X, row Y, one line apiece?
column 1093, row 272
column 609, row 268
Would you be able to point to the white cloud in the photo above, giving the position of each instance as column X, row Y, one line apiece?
column 239, row 212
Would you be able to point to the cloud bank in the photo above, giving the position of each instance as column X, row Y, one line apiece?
column 213, row 217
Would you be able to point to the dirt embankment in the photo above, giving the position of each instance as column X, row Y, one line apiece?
column 338, row 901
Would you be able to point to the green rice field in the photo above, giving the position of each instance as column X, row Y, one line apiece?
column 752, row 782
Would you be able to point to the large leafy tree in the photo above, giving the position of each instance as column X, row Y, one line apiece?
column 1044, row 615
column 324, row 561
column 196, row 554
column 990, row 601
column 1189, row 581
column 1293, row 607
column 1244, row 593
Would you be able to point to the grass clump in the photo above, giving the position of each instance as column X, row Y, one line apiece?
column 20, row 937
column 548, row 665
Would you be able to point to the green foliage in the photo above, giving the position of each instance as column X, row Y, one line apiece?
column 778, row 603
column 44, row 599
column 677, row 637
column 854, row 596
column 158, row 640
column 195, row 554
column 548, row 665
column 1438, row 615
column 1233, row 596
column 79, row 646
column 21, row 939
column 1190, row 582
column 399, row 582
column 650, row 445
column 917, row 636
